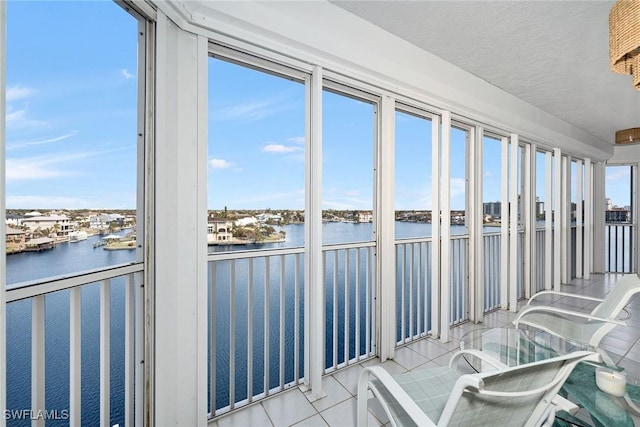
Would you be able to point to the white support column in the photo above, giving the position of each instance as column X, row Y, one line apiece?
column 557, row 217
column 598, row 242
column 38, row 358
column 435, row 227
column 529, row 211
column 513, row 224
column 588, row 219
column 313, row 282
column 445, row 224
column 3, row 249
column 504, row 227
column 579, row 217
column 634, row 209
column 565, row 223
column 475, row 217
column 548, row 223
column 180, row 269
column 385, row 226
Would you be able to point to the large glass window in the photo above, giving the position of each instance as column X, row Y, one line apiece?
column 492, row 218
column 256, row 199
column 347, row 167
column 71, row 182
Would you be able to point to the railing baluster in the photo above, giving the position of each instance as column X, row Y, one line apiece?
column 250, row 330
column 282, row 271
column 335, row 309
column 267, row 321
column 232, row 334
column 418, row 289
column 411, row 285
column 105, row 353
column 367, row 308
column 357, row 304
column 212, row 335
column 346, row 307
column 296, row 319
column 129, row 350
column 37, row 357
column 75, row 356
column 402, row 294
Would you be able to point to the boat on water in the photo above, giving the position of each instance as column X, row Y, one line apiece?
column 77, row 236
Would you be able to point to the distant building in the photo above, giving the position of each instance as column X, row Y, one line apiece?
column 493, row 209
column 268, row 218
column 219, row 230
column 15, row 240
column 617, row 215
column 102, row 221
column 365, row 216
column 60, row 223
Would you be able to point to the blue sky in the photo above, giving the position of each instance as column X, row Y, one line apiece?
column 71, row 126
column 71, row 105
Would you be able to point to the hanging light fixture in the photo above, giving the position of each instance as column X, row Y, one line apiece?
column 628, row 136
column 624, row 39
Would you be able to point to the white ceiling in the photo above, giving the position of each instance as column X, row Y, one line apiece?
column 552, row 54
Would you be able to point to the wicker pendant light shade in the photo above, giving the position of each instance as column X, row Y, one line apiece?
column 624, row 39
column 628, row 136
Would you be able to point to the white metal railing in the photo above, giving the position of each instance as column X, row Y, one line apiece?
column 256, row 325
column 349, row 278
column 103, row 293
column 619, row 248
column 540, row 242
column 256, row 314
column 413, row 289
column 491, row 271
column 459, row 277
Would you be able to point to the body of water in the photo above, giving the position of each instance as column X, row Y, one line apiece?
column 68, row 258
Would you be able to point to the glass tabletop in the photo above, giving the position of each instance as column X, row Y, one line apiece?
column 516, row 346
column 513, row 346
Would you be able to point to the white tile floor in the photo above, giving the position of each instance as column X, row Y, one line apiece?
column 338, row 408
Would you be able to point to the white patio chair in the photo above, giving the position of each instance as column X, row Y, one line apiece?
column 586, row 328
column 506, row 396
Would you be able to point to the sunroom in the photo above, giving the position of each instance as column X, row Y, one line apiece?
column 411, row 172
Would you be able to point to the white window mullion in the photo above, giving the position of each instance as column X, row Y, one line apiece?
column 529, row 180
column 476, row 235
column 385, row 217
column 548, row 223
column 579, row 228
column 504, row 227
column 557, row 217
column 445, row 219
column 513, row 224
column 314, row 290
column 588, row 219
column 435, row 227
column 565, row 223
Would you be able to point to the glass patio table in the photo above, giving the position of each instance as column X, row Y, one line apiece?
column 517, row 346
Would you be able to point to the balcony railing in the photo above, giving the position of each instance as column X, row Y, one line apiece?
column 619, row 248
column 80, row 365
column 256, row 310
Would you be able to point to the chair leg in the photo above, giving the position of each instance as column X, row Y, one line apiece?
column 362, row 400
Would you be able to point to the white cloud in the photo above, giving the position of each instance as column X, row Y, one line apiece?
column 251, row 111
column 14, row 146
column 19, row 119
column 297, row 140
column 41, row 167
column 126, row 74
column 279, row 148
column 617, row 173
column 220, row 164
column 18, row 92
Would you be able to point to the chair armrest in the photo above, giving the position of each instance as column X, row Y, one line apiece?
column 492, row 361
column 550, row 309
column 398, row 393
column 564, row 294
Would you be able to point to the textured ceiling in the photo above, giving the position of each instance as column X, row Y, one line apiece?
column 552, row 54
